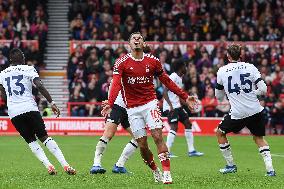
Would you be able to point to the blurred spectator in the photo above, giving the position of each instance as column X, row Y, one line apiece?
column 46, row 111
column 77, row 110
column 209, row 103
column 277, row 117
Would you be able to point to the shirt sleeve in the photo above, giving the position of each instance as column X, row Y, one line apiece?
column 32, row 73
column 256, row 75
column 219, row 84
column 115, row 86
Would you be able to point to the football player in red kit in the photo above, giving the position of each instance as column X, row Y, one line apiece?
column 133, row 74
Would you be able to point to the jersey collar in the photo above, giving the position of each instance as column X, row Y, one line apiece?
column 130, row 55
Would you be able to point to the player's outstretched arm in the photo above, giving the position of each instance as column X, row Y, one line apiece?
column 45, row 93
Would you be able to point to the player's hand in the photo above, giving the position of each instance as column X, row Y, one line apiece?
column 104, row 103
column 191, row 102
column 106, row 110
column 55, row 110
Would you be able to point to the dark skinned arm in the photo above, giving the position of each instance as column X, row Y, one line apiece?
column 45, row 93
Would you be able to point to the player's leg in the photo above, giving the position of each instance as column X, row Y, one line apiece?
column 184, row 119
column 147, row 155
column 264, row 151
column 28, row 134
column 37, row 122
column 112, row 121
column 137, row 125
column 128, row 150
column 224, row 145
column 110, row 129
column 152, row 116
column 256, row 125
column 173, row 122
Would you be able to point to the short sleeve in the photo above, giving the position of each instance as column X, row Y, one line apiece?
column 32, row 73
column 256, row 75
column 219, row 84
column 118, row 67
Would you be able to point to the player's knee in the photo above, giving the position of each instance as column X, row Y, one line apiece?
column 220, row 133
column 187, row 125
column 174, row 127
column 43, row 138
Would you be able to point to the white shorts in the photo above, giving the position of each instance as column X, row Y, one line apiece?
column 142, row 116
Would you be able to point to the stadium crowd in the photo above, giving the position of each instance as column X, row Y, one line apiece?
column 90, row 70
column 21, row 21
column 178, row 20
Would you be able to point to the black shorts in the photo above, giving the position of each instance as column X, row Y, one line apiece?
column 30, row 125
column 178, row 114
column 118, row 115
column 255, row 123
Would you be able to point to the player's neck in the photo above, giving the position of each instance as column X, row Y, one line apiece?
column 179, row 74
column 137, row 54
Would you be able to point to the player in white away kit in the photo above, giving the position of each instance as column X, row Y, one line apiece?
column 175, row 112
column 242, row 83
column 17, row 81
column 117, row 116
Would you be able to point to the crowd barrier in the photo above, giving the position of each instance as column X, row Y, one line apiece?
column 25, row 43
column 95, row 126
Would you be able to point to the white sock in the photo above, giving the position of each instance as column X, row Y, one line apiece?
column 55, row 150
column 265, row 153
column 39, row 153
column 100, row 149
column 189, row 139
column 127, row 152
column 227, row 153
column 170, row 139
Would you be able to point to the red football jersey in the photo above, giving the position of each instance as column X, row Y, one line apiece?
column 135, row 79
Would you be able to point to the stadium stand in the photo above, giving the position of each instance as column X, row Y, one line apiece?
column 23, row 24
column 170, row 24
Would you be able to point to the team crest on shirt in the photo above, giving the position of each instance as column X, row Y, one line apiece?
column 147, row 68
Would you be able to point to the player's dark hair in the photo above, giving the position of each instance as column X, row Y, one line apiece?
column 234, row 51
column 16, row 56
column 135, row 33
column 177, row 65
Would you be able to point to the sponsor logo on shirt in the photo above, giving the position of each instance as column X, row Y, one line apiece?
column 138, row 80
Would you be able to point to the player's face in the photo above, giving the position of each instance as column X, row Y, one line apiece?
column 183, row 70
column 136, row 42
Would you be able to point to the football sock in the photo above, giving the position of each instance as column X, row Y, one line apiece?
column 164, row 158
column 55, row 150
column 189, row 139
column 227, row 153
column 170, row 139
column 128, row 150
column 100, row 149
column 265, row 153
column 150, row 161
column 39, row 153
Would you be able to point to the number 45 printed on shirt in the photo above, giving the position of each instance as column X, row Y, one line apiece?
column 18, row 83
column 236, row 88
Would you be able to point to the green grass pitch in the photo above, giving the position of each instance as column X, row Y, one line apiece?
column 20, row 169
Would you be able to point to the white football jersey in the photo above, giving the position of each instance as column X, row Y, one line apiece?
column 238, row 80
column 18, row 81
column 172, row 96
